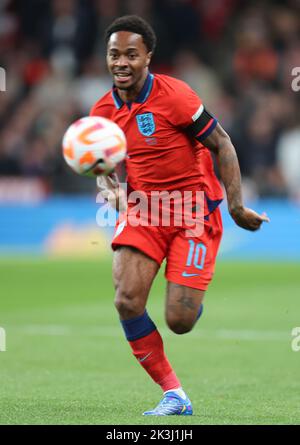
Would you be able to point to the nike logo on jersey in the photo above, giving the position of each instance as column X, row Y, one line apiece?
column 144, row 358
column 186, row 274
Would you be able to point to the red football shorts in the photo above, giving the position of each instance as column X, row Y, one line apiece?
column 190, row 260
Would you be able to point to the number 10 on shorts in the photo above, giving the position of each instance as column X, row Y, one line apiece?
column 196, row 255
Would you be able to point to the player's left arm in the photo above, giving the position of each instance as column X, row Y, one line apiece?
column 202, row 125
column 219, row 142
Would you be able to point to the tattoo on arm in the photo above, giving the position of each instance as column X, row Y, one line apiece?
column 230, row 174
column 219, row 142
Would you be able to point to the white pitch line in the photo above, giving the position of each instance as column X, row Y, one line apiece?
column 115, row 332
column 44, row 329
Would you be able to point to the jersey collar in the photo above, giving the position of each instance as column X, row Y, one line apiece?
column 141, row 98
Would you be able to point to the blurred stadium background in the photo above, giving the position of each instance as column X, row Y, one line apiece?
column 239, row 56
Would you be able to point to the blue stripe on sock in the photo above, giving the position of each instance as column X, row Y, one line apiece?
column 200, row 312
column 138, row 327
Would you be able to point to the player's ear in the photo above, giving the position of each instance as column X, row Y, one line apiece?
column 149, row 56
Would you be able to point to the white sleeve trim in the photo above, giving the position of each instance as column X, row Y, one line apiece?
column 198, row 113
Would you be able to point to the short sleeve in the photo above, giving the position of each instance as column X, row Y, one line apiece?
column 189, row 112
column 185, row 104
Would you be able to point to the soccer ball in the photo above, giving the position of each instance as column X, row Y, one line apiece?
column 93, row 146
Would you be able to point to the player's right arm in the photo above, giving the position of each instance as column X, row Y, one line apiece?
column 109, row 186
column 111, row 190
column 219, row 142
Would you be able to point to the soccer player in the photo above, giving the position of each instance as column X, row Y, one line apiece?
column 170, row 134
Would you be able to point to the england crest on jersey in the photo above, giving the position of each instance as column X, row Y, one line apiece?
column 146, row 123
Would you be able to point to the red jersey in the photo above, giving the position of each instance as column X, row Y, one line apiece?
column 163, row 154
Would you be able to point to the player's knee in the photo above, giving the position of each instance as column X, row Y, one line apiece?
column 127, row 303
column 179, row 326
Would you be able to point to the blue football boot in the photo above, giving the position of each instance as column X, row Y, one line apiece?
column 171, row 405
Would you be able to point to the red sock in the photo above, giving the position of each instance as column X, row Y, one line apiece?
column 149, row 351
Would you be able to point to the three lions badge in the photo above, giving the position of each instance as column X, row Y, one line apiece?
column 146, row 123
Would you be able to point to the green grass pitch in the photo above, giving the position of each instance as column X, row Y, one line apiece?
column 67, row 362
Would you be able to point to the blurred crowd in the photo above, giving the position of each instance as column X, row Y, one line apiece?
column 238, row 55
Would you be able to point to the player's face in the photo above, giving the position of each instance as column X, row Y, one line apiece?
column 127, row 60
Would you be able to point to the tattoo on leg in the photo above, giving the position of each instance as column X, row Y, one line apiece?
column 177, row 286
column 187, row 302
column 171, row 307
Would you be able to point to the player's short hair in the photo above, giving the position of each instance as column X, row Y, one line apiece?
column 135, row 24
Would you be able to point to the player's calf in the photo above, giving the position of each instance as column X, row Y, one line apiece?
column 180, row 325
column 183, row 307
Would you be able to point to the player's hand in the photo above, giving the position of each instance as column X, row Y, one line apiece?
column 112, row 192
column 248, row 219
